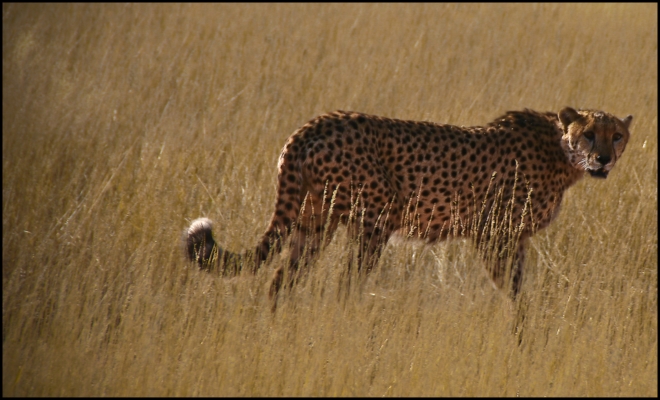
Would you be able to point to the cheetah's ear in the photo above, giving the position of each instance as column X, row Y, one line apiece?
column 567, row 116
column 626, row 121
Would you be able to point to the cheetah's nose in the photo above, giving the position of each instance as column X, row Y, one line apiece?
column 604, row 160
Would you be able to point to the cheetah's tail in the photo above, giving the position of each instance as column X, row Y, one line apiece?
column 202, row 248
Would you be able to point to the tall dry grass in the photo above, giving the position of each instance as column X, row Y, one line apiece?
column 121, row 123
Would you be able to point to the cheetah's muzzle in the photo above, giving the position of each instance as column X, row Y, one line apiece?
column 598, row 173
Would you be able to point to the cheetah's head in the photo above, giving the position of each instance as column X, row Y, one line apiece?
column 593, row 140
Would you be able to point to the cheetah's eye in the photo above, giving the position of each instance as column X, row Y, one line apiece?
column 589, row 135
column 617, row 137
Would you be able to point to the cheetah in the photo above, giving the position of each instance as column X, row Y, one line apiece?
column 496, row 184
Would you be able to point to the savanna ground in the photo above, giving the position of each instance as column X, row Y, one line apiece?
column 122, row 123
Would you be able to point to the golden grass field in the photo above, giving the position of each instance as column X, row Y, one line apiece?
column 122, row 123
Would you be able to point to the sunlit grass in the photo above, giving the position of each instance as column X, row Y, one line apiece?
column 122, row 123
